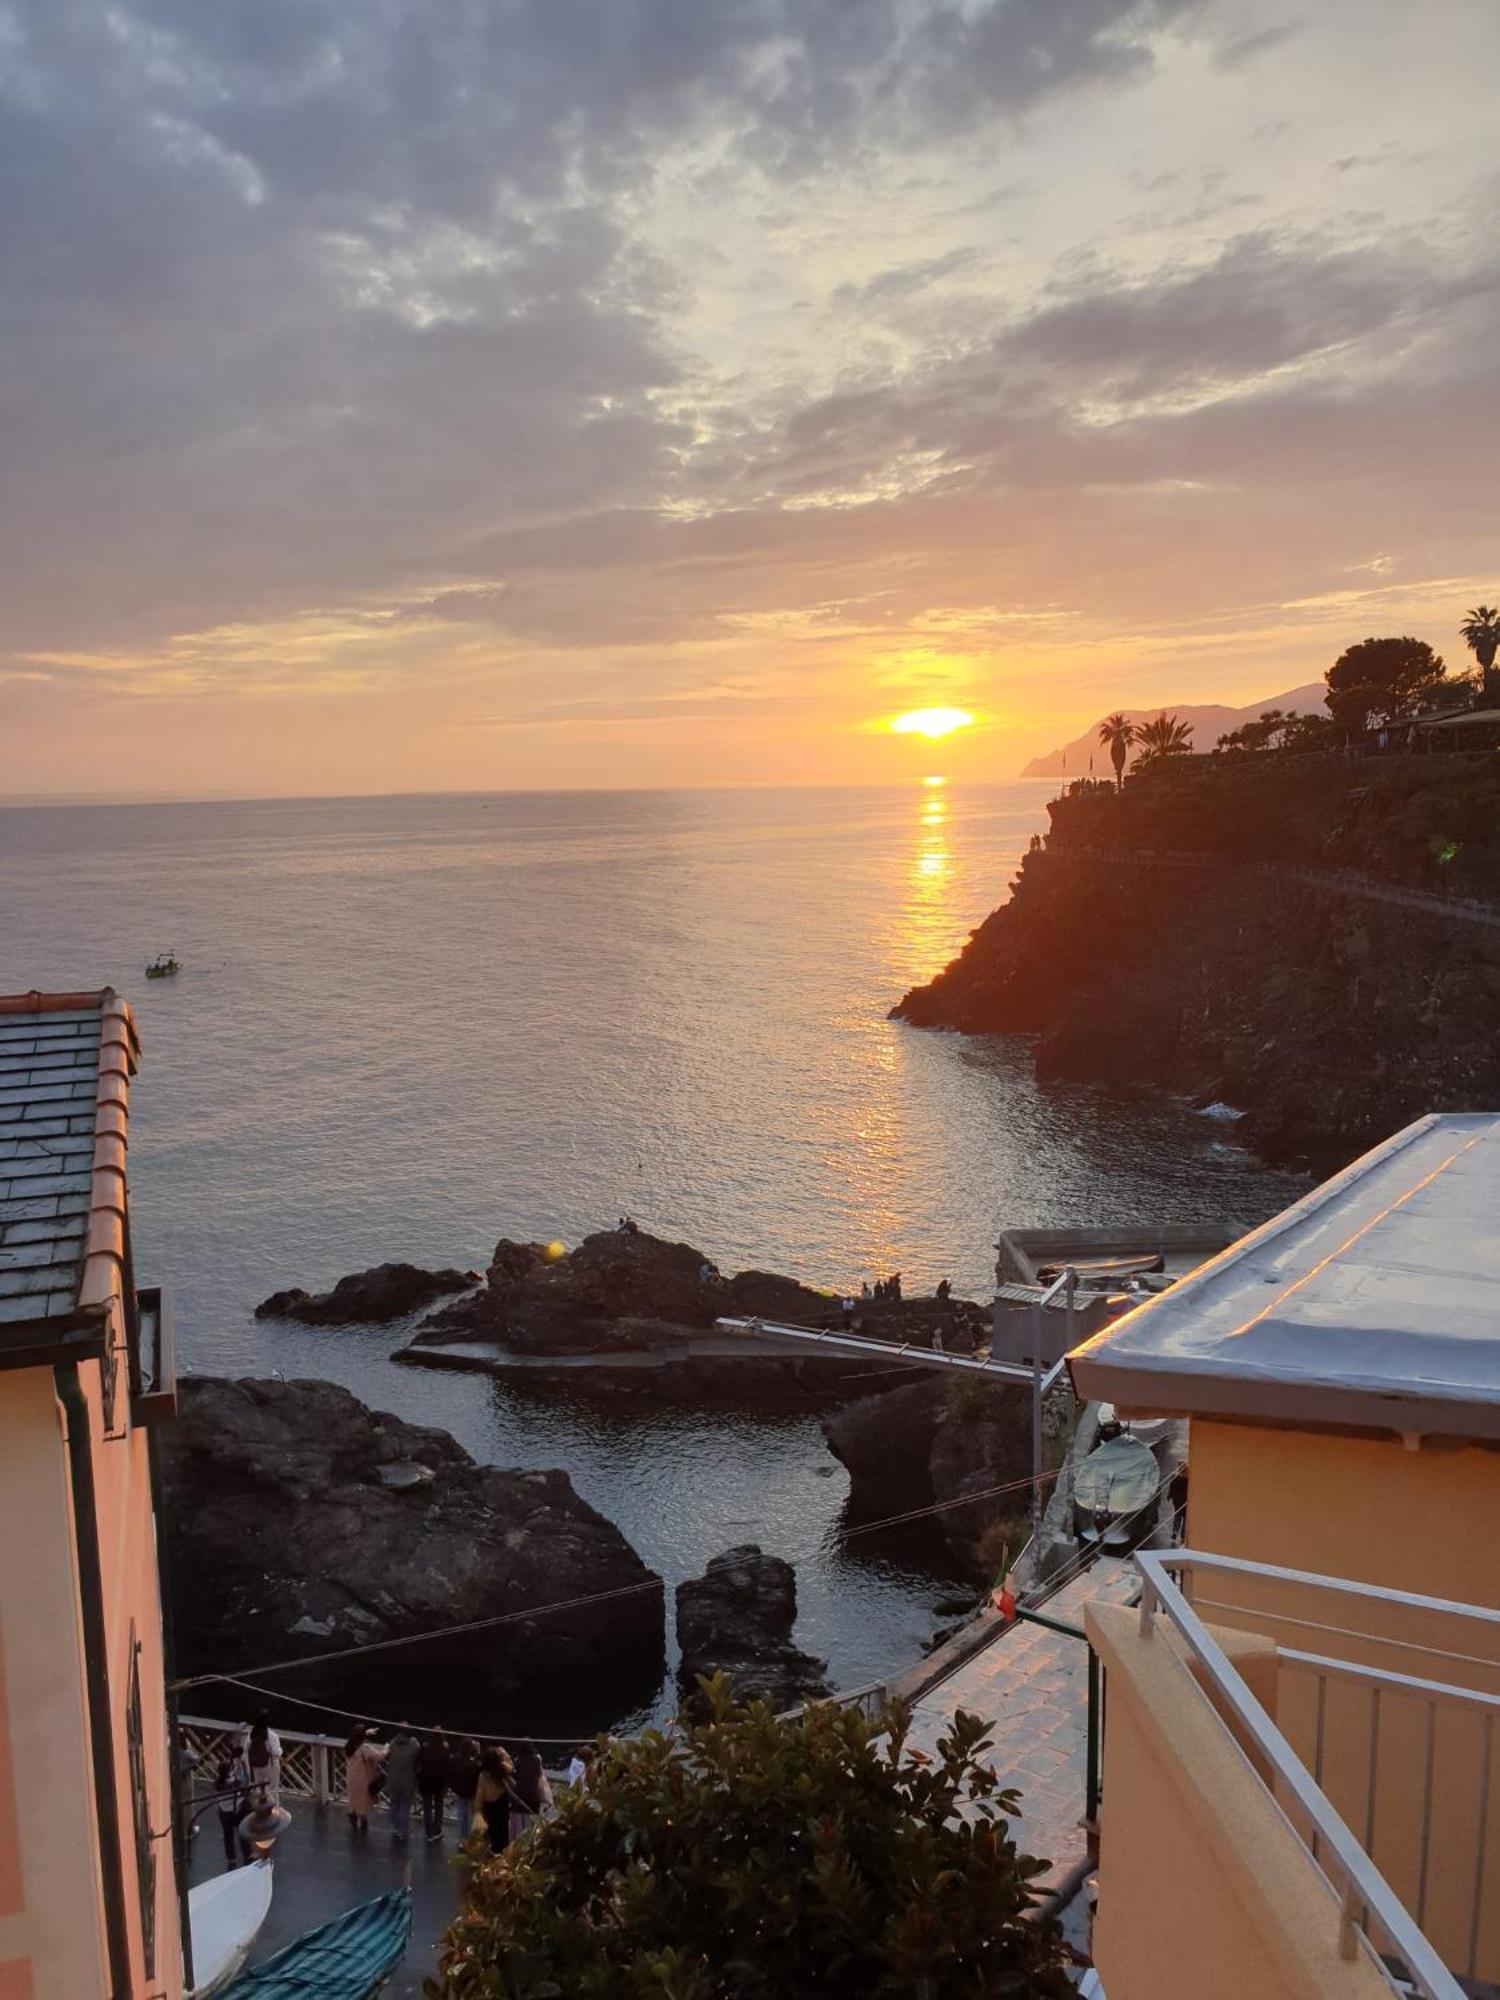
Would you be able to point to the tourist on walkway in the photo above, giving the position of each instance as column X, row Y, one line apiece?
column 363, row 1776
column 530, row 1793
column 401, row 1780
column 492, row 1798
column 262, row 1827
column 463, row 1781
column 432, row 1782
column 262, row 1748
column 582, row 1763
column 232, row 1797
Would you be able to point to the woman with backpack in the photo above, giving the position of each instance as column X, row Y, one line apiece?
column 492, row 1798
column 530, row 1793
column 363, row 1776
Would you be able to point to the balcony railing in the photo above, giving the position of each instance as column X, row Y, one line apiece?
column 1383, row 1771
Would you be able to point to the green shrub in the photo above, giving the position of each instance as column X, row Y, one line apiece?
column 750, row 1858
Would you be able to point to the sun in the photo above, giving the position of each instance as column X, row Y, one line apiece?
column 931, row 722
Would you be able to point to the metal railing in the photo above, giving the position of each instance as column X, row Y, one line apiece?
column 1376, row 1760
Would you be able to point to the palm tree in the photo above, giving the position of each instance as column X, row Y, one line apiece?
column 1119, row 734
column 1481, row 629
column 1163, row 736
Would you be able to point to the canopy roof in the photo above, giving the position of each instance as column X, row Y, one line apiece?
column 1373, row 1301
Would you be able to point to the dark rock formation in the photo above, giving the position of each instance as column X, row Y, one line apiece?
column 736, row 1620
column 388, row 1291
column 939, row 1441
column 1162, row 939
column 631, row 1315
column 299, row 1521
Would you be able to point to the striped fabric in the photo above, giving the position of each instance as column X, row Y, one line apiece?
column 348, row 1959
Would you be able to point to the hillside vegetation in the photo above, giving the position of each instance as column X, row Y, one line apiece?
column 1330, row 1018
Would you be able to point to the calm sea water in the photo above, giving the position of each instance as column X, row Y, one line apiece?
column 407, row 1026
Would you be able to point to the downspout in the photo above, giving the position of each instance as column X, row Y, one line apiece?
column 181, row 1826
column 95, row 1658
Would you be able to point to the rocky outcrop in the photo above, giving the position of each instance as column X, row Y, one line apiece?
column 1163, row 938
column 939, row 1442
column 388, row 1291
column 631, row 1315
column 736, row 1620
column 298, row 1522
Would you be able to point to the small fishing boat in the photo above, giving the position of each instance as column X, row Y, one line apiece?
column 1094, row 1269
column 224, row 1919
column 348, row 1959
column 166, row 965
column 1114, row 1491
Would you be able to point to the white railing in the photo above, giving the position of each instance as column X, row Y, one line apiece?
column 312, row 1767
column 1378, row 1761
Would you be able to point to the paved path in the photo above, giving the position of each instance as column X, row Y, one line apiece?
column 1032, row 1684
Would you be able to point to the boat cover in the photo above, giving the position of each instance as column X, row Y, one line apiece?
column 348, row 1959
column 1118, row 1477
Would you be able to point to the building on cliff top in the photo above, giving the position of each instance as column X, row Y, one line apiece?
column 90, row 1890
column 1301, row 1716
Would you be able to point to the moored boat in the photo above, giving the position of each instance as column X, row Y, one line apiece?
column 166, row 965
column 348, row 1959
column 224, row 1918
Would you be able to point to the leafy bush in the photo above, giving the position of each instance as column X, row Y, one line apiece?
column 746, row 1857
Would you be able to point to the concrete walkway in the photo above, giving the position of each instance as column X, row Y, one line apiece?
column 1032, row 1686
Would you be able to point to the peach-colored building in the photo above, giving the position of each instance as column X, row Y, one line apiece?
column 1301, row 1786
column 90, row 1888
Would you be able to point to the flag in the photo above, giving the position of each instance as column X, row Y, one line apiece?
column 1003, row 1596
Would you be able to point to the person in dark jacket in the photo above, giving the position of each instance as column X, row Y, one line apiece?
column 463, row 1781
column 401, row 1781
column 433, row 1761
column 530, row 1793
column 232, row 1796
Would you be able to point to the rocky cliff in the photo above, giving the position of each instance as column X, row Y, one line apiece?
column 299, row 1522
column 1166, row 936
column 737, row 1620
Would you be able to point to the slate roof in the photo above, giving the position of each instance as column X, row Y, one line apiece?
column 66, row 1060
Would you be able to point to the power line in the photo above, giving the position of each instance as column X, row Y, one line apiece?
column 655, row 1584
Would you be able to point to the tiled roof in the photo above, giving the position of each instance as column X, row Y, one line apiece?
column 66, row 1060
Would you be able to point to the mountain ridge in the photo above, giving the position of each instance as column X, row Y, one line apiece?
column 1208, row 721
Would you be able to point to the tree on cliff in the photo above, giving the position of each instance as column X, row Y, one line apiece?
column 1163, row 736
column 749, row 1855
column 1380, row 681
column 1118, row 734
column 1480, row 632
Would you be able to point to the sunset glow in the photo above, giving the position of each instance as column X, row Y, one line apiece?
column 933, row 723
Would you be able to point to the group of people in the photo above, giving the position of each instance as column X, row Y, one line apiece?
column 247, row 1793
column 499, row 1791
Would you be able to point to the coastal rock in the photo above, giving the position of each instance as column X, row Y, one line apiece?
column 1243, row 931
column 298, row 1521
column 941, row 1442
column 388, row 1291
column 736, row 1620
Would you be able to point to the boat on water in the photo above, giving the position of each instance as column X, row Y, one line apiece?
column 224, row 1919
column 350, row 1958
column 166, row 965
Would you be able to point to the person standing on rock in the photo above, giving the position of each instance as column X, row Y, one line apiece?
column 363, row 1776
column 401, row 1780
column 432, row 1782
column 530, row 1793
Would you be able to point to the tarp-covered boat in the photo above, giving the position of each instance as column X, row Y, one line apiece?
column 348, row 1959
column 224, row 1916
column 1113, row 1489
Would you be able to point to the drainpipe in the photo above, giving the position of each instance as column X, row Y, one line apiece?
column 96, row 1671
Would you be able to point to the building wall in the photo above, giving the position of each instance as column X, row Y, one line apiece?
column 132, row 1612
column 1203, row 1888
column 1425, row 1521
column 52, row 1941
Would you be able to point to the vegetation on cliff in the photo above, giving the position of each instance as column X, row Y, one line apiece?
column 1165, row 935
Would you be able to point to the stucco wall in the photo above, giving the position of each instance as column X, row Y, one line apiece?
column 57, row 1932
column 1203, row 1889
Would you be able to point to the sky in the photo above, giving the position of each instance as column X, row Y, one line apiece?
column 453, row 394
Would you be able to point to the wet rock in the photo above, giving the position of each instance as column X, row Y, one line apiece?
column 387, row 1291
column 737, row 1619
column 299, row 1521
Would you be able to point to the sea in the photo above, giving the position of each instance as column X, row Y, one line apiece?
column 408, row 1026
